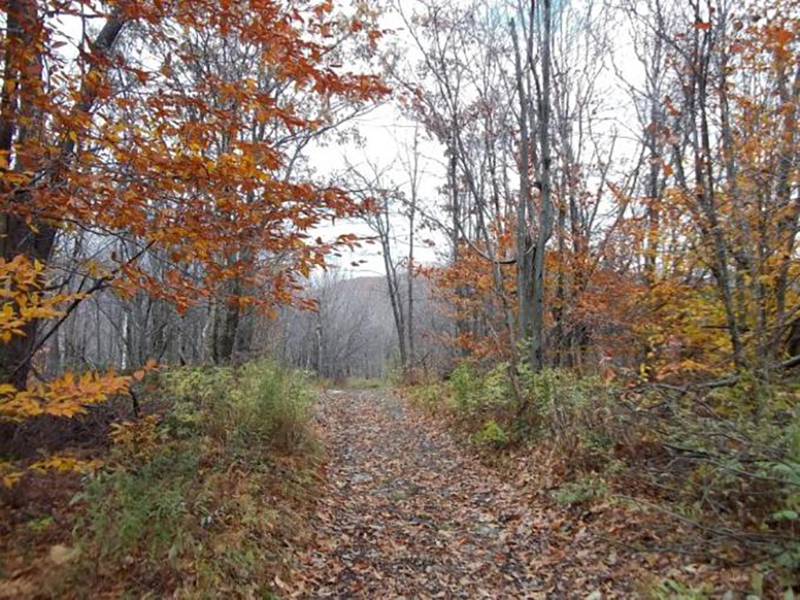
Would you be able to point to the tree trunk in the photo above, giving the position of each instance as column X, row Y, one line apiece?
column 537, row 350
column 524, row 263
column 21, row 119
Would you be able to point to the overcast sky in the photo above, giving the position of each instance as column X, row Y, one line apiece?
column 388, row 135
column 388, row 140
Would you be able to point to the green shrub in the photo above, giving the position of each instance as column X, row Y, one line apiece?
column 474, row 393
column 578, row 416
column 183, row 419
column 432, row 395
column 273, row 405
column 559, row 407
column 187, row 484
column 580, row 492
column 140, row 512
column 465, row 386
column 558, row 394
column 260, row 401
column 741, row 462
column 495, row 389
column 198, row 385
column 492, row 435
column 674, row 590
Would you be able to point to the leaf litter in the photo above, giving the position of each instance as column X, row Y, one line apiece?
column 407, row 513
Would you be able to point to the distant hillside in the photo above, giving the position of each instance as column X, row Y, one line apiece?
column 353, row 333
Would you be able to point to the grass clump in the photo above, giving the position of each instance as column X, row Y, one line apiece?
column 140, row 512
column 200, row 496
column 581, row 492
column 492, row 434
column 273, row 405
column 432, row 395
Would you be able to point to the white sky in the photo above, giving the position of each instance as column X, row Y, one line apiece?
column 388, row 137
column 389, row 134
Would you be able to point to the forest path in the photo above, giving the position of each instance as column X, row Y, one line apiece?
column 407, row 514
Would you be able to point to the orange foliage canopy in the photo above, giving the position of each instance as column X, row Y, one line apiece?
column 135, row 132
column 145, row 157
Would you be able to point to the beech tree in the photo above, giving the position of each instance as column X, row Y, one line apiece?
column 188, row 167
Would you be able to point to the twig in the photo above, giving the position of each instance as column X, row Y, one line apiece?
column 98, row 285
column 734, row 379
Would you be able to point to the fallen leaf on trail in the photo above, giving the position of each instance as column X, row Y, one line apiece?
column 61, row 555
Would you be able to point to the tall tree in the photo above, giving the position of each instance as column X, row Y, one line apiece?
column 159, row 152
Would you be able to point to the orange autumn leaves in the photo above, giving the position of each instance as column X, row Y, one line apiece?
column 674, row 285
column 128, row 133
column 24, row 299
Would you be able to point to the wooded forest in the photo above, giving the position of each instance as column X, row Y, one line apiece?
column 408, row 298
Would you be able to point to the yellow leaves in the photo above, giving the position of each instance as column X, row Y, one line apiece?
column 8, row 311
column 21, row 284
column 11, row 472
column 65, row 463
column 684, row 330
column 97, row 270
column 63, row 397
column 10, row 478
column 137, row 439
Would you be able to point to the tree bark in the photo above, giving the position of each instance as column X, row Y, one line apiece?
column 537, row 350
column 21, row 120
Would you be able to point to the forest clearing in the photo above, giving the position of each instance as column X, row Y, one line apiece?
column 400, row 299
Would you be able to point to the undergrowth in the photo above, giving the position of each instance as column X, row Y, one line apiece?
column 198, row 498
column 723, row 465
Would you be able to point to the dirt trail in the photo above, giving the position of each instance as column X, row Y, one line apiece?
column 408, row 514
